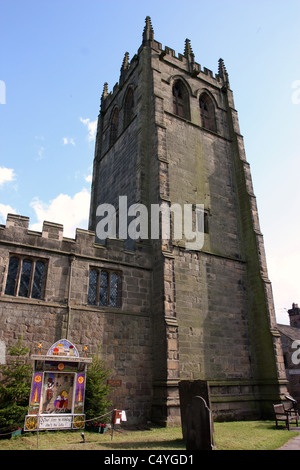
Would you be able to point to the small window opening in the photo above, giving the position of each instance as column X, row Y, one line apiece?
column 207, row 112
column 114, row 126
column 129, row 107
column 180, row 100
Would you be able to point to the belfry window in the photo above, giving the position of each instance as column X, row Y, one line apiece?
column 180, row 100
column 207, row 113
column 26, row 277
column 104, row 288
column 114, row 126
column 128, row 107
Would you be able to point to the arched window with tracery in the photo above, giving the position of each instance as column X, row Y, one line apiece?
column 129, row 107
column 180, row 100
column 207, row 112
column 114, row 126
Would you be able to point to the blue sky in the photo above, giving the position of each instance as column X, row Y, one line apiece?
column 56, row 56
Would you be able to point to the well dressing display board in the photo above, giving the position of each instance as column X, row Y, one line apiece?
column 58, row 389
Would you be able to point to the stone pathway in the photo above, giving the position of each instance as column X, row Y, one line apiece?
column 293, row 443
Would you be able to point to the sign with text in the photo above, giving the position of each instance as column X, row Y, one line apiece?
column 55, row 422
column 44, row 422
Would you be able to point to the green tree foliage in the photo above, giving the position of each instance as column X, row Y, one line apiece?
column 15, row 389
column 97, row 390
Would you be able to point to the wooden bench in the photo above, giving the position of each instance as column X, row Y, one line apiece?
column 281, row 414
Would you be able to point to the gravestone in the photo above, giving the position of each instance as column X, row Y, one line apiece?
column 198, row 425
column 187, row 390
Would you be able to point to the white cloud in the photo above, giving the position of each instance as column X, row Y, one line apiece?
column 68, row 140
column 92, row 127
column 4, row 210
column 89, row 178
column 71, row 212
column 6, row 175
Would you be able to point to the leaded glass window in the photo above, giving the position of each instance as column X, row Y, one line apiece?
column 25, row 277
column 114, row 284
column 12, row 275
column 92, row 295
column 38, row 280
column 104, row 288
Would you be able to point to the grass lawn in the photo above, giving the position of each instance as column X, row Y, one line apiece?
column 251, row 435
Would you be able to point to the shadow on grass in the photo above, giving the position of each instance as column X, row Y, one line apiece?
column 176, row 444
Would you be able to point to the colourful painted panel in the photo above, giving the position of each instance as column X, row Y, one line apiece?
column 35, row 393
column 58, row 393
column 79, row 394
column 63, row 347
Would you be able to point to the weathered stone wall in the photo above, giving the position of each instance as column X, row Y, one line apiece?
column 223, row 299
column 213, row 337
column 124, row 334
column 114, row 161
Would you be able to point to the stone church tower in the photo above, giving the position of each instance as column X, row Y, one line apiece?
column 169, row 134
column 161, row 308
